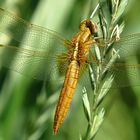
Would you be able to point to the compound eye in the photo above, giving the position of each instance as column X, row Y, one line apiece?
column 93, row 27
column 90, row 25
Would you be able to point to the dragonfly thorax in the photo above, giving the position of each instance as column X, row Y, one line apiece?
column 79, row 53
column 82, row 41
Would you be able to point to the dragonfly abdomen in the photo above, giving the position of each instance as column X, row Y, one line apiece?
column 66, row 94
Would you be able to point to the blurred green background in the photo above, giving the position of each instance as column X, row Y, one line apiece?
column 26, row 110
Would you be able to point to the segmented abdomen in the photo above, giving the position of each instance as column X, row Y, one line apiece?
column 66, row 94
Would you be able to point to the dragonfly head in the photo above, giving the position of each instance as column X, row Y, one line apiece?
column 90, row 25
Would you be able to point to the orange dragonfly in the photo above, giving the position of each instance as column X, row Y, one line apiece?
column 54, row 54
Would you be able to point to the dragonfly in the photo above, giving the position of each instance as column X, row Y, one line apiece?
column 54, row 54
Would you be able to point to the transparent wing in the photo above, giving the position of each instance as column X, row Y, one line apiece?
column 127, row 45
column 40, row 65
column 40, row 50
column 35, row 36
column 126, row 72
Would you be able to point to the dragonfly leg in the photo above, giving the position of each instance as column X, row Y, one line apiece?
column 94, row 57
